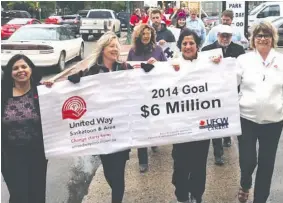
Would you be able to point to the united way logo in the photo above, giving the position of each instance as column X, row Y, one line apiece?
column 74, row 108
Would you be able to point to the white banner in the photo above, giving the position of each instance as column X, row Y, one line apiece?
column 111, row 112
column 176, row 32
column 169, row 49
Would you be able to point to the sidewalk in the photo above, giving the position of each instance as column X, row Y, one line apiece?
column 155, row 185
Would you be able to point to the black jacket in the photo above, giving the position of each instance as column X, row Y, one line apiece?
column 165, row 34
column 233, row 50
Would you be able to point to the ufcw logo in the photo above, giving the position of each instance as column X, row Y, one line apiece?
column 214, row 124
column 73, row 108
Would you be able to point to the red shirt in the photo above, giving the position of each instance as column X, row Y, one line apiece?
column 135, row 19
column 145, row 19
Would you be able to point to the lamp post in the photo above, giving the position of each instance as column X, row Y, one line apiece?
column 128, row 27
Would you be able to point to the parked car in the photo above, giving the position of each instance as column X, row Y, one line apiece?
column 83, row 13
column 124, row 18
column 278, row 23
column 8, row 29
column 74, row 21
column 46, row 45
column 99, row 21
column 267, row 11
column 8, row 15
column 53, row 20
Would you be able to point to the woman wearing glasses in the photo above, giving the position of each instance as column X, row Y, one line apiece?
column 261, row 107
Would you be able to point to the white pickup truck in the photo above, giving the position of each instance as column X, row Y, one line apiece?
column 99, row 21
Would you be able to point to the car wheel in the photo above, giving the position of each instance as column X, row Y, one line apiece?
column 81, row 54
column 85, row 37
column 61, row 62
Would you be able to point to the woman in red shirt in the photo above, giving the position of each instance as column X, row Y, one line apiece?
column 135, row 18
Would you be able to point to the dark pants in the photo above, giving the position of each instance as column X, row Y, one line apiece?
column 114, row 172
column 143, row 155
column 190, row 169
column 24, row 171
column 218, row 146
column 268, row 136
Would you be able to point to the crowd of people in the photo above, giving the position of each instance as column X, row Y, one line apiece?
column 260, row 82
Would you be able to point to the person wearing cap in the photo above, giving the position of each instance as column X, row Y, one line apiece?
column 226, row 19
column 230, row 49
column 181, row 20
column 163, row 35
column 194, row 23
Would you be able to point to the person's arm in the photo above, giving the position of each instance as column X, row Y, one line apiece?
column 129, row 58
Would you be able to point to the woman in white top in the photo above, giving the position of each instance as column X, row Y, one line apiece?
column 261, row 106
column 189, row 173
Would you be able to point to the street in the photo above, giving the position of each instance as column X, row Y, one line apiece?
column 72, row 180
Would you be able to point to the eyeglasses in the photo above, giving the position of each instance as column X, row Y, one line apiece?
column 265, row 36
column 225, row 35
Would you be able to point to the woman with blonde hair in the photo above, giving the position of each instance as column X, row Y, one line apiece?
column 144, row 48
column 261, row 106
column 105, row 59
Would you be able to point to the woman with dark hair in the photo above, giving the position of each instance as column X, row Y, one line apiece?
column 145, row 49
column 181, row 20
column 189, row 174
column 23, row 159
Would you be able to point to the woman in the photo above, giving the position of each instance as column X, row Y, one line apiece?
column 194, row 23
column 136, row 18
column 145, row 49
column 189, row 173
column 261, row 77
column 105, row 59
column 23, row 159
column 181, row 20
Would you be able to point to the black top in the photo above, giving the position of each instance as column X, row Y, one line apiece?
column 165, row 34
column 21, row 121
column 233, row 50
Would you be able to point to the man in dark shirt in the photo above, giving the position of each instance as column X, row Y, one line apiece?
column 163, row 35
column 230, row 49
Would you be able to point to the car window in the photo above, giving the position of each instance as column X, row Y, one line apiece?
column 18, row 21
column 99, row 14
column 31, row 33
column 256, row 9
column 63, row 34
column 35, row 22
column 83, row 13
column 69, row 17
column 272, row 10
column 69, row 33
column 26, row 15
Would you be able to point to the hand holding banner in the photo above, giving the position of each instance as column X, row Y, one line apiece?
column 120, row 110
